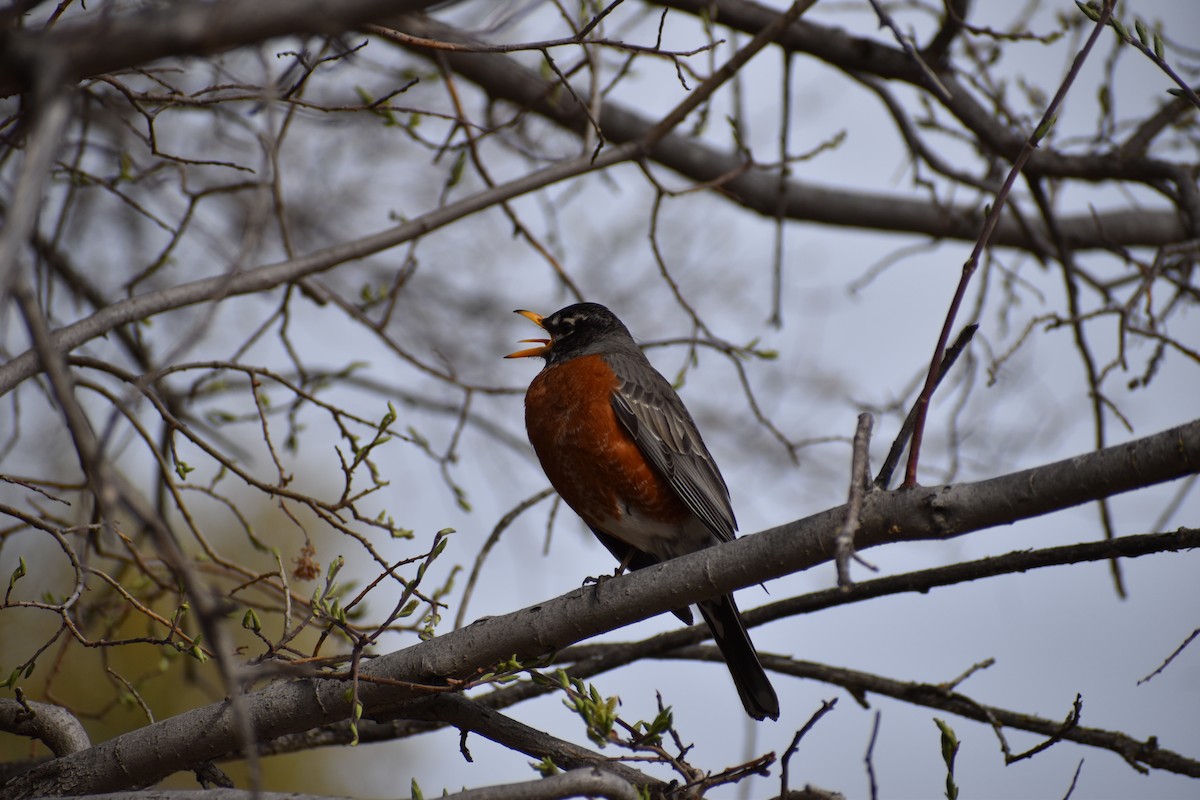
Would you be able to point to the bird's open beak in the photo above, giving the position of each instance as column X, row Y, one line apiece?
column 544, row 344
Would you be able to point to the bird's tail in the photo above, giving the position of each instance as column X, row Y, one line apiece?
column 758, row 696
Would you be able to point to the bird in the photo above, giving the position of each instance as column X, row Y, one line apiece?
column 621, row 449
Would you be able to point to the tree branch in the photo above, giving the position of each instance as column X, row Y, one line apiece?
column 467, row 714
column 944, row 699
column 98, row 43
column 268, row 277
column 758, row 188
column 590, row 660
column 591, row 782
column 856, row 54
column 54, row 726
column 390, row 681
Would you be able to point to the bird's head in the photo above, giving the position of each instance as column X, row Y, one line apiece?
column 577, row 330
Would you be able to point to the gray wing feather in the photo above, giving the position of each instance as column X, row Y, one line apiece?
column 664, row 431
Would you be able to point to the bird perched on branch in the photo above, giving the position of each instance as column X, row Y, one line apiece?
column 621, row 449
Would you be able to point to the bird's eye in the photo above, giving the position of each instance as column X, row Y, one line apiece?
column 566, row 326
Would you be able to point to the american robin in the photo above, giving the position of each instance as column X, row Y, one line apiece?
column 620, row 448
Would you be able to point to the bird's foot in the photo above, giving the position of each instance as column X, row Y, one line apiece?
column 598, row 579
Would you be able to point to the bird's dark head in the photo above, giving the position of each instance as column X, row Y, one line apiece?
column 577, row 330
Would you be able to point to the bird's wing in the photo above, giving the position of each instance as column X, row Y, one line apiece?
column 662, row 427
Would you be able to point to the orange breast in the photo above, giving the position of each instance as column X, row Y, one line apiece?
column 592, row 461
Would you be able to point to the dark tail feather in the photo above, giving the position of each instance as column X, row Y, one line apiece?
column 748, row 675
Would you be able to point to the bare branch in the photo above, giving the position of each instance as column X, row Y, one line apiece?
column 57, row 728
column 208, row 733
column 110, row 42
column 860, row 480
column 760, row 189
column 985, row 236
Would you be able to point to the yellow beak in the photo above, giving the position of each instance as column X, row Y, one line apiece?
column 536, row 319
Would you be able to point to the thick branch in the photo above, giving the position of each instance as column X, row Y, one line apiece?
column 758, row 188
column 481, row 714
column 98, row 43
column 855, row 54
column 57, row 728
column 589, row 660
column 203, row 734
column 945, row 699
column 576, row 783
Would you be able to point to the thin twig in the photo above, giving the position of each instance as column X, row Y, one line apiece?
column 989, row 226
column 1171, row 657
column 825, row 708
column 935, row 83
column 869, row 757
column 860, row 467
column 893, row 457
column 1069, row 724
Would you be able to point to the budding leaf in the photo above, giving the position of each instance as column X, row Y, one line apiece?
column 18, row 573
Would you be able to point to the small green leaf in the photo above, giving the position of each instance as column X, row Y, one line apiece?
column 417, row 794
column 358, row 709
column 126, row 168
column 1140, row 28
column 660, row 723
column 250, row 621
column 1090, row 11
column 949, row 752
column 335, row 567
column 1045, row 127
column 456, row 171
column 546, row 767
column 18, row 573
column 1158, row 45
column 460, row 497
column 429, row 630
column 416, row 437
